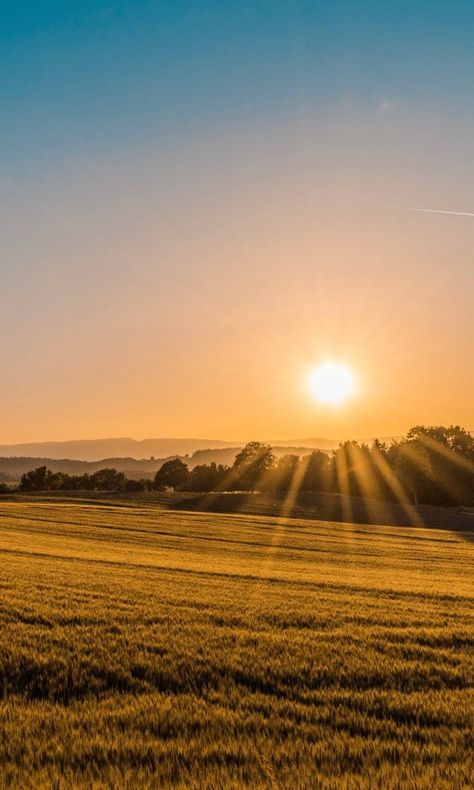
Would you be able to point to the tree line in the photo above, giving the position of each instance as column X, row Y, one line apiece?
column 430, row 465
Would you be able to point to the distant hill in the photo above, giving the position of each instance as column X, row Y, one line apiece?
column 13, row 467
column 311, row 443
column 98, row 449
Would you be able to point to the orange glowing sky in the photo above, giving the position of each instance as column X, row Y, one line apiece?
column 186, row 284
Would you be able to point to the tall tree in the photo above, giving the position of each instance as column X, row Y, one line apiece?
column 251, row 465
column 172, row 473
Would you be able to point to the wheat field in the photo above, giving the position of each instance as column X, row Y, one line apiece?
column 141, row 647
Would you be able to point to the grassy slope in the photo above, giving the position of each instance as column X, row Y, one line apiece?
column 141, row 647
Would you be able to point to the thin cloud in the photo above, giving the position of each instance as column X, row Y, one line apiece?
column 441, row 211
column 385, row 106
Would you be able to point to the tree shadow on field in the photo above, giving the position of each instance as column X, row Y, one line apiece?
column 337, row 508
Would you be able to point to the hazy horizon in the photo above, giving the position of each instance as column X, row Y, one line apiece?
column 204, row 438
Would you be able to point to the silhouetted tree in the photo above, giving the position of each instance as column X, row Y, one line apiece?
column 251, row 465
column 206, row 477
column 36, row 480
column 413, row 470
column 137, row 485
column 450, row 456
column 452, row 437
column 316, row 471
column 108, row 480
column 282, row 473
column 172, row 474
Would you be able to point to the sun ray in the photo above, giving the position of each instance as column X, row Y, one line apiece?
column 343, row 483
column 447, row 482
column 281, row 523
column 397, row 489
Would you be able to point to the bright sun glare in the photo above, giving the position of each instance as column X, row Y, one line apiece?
column 332, row 382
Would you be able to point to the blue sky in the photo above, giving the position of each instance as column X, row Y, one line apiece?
column 78, row 77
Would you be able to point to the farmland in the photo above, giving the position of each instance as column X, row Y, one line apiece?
column 144, row 647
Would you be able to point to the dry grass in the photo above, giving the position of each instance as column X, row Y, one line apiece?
column 147, row 648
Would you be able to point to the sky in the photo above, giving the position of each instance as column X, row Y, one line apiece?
column 201, row 202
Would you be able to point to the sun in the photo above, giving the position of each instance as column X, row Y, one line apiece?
column 332, row 382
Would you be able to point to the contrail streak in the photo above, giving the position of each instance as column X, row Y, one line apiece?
column 441, row 211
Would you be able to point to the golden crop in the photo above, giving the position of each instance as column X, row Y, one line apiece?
column 141, row 647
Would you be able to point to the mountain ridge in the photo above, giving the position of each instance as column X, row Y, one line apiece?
column 139, row 449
